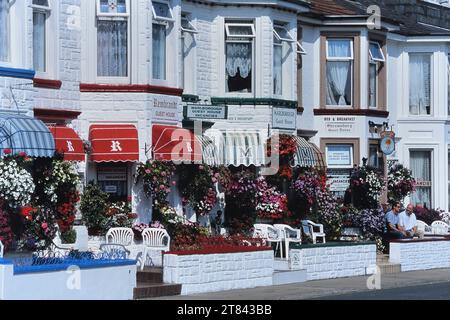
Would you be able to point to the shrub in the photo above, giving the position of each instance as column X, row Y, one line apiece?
column 93, row 209
column 427, row 215
column 6, row 234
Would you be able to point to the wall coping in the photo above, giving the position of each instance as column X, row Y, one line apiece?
column 331, row 244
column 406, row 241
column 17, row 73
column 217, row 251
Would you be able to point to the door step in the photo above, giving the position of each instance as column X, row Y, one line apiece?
column 150, row 275
column 148, row 290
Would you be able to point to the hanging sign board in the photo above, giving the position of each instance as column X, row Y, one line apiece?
column 387, row 142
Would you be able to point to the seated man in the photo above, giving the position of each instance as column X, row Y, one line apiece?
column 408, row 223
column 392, row 222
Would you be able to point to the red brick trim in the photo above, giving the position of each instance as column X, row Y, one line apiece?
column 47, row 83
column 146, row 88
column 55, row 115
column 351, row 112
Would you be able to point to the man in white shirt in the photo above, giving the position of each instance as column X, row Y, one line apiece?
column 408, row 223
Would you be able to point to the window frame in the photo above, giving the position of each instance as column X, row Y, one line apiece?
column 280, row 43
column 431, row 152
column 383, row 59
column 352, row 160
column 430, row 55
column 8, row 60
column 352, row 54
column 50, row 46
column 186, row 17
column 374, row 63
column 277, row 35
column 251, row 39
column 113, row 15
column 160, row 18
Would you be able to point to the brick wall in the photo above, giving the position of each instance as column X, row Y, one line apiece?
column 219, row 272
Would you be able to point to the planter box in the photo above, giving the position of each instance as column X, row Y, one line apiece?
column 199, row 273
column 420, row 254
column 334, row 260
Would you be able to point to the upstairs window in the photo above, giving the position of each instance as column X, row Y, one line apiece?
column 420, row 83
column 375, row 52
column 162, row 11
column 239, row 51
column 188, row 31
column 41, row 12
column 448, row 84
column 376, row 57
column 162, row 16
column 186, row 24
column 339, row 71
column 112, row 38
column 4, row 31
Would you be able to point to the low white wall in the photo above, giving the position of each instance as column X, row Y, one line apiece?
column 219, row 272
column 420, row 255
column 328, row 262
column 111, row 283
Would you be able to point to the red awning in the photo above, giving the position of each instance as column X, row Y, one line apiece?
column 114, row 143
column 175, row 144
column 69, row 143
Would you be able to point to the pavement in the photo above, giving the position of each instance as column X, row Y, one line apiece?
column 342, row 288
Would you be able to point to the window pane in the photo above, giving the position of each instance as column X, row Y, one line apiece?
column 277, row 69
column 239, row 67
column 448, row 75
column 39, row 41
column 159, row 51
column 339, row 83
column 162, row 10
column 282, row 33
column 113, row 6
column 43, row 3
column 240, row 30
column 419, row 84
column 112, row 48
column 421, row 169
column 339, row 48
column 373, row 85
column 339, row 155
column 4, row 31
column 375, row 51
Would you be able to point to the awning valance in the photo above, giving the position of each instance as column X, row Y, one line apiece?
column 308, row 154
column 236, row 148
column 175, row 144
column 21, row 133
column 69, row 143
column 114, row 143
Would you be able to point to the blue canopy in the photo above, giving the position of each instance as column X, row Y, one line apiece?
column 25, row 134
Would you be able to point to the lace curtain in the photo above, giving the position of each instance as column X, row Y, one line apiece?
column 112, row 48
column 159, row 51
column 420, row 162
column 278, row 70
column 39, row 41
column 419, row 84
column 339, row 74
column 373, row 85
column 239, row 59
column 4, row 30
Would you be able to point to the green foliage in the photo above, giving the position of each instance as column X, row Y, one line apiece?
column 94, row 204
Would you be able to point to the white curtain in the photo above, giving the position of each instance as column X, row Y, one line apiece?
column 419, row 84
column 239, row 59
column 112, row 48
column 420, row 162
column 39, row 40
column 278, row 70
column 159, row 51
column 338, row 83
column 373, row 85
column 4, row 30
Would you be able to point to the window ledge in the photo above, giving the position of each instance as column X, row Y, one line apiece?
column 139, row 88
column 17, row 73
column 47, row 83
column 351, row 112
column 255, row 101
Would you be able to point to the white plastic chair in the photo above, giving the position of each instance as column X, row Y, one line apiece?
column 290, row 235
column 425, row 228
column 1, row 249
column 154, row 239
column 123, row 236
column 314, row 234
column 270, row 234
column 439, row 228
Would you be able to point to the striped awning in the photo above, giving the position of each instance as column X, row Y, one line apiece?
column 308, row 154
column 21, row 133
column 239, row 148
column 209, row 151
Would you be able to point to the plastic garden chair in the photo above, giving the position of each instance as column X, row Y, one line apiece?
column 270, row 234
column 290, row 235
column 154, row 239
column 308, row 228
column 1, row 249
column 425, row 228
column 439, row 228
column 123, row 236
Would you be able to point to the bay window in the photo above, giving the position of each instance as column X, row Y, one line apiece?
column 162, row 16
column 41, row 12
column 188, row 32
column 112, row 38
column 420, row 83
column 239, row 52
column 376, row 58
column 4, row 31
column 339, row 72
column 420, row 162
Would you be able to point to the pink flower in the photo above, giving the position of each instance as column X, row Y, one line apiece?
column 174, row 183
column 163, row 174
column 22, row 154
column 7, row 151
column 44, row 226
column 162, row 187
column 148, row 171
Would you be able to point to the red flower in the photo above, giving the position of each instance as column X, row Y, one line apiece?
column 26, row 212
column 22, row 154
column 7, row 151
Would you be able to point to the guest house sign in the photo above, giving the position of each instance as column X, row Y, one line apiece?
column 340, row 124
column 387, row 142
